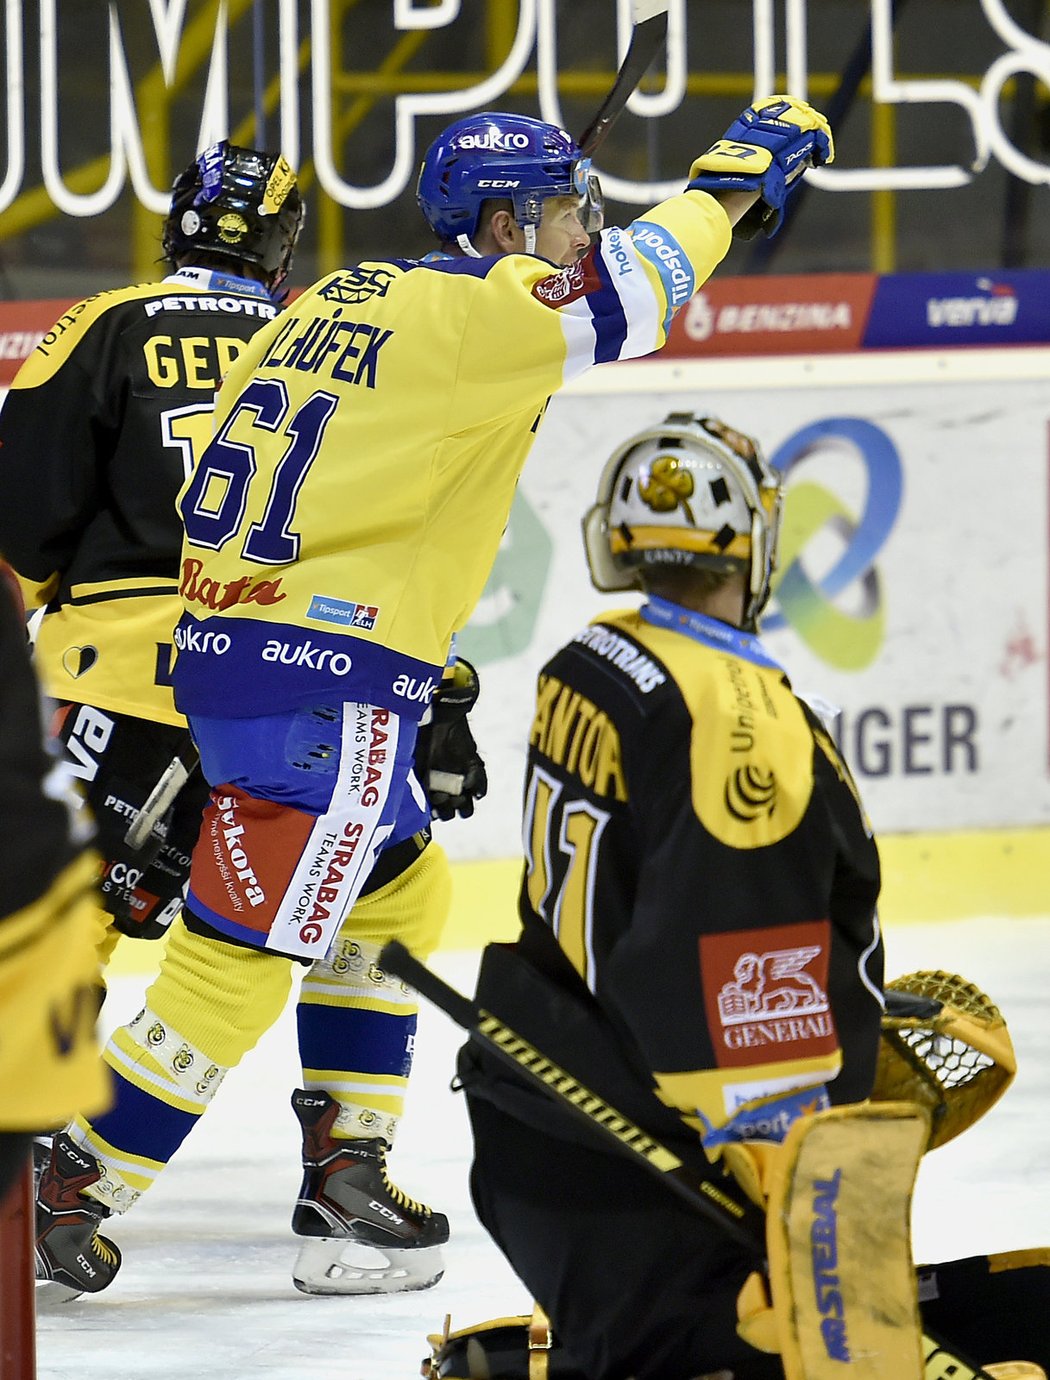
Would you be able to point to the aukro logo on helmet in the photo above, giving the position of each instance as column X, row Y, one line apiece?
column 495, row 141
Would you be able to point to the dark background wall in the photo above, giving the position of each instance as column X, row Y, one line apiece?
column 996, row 221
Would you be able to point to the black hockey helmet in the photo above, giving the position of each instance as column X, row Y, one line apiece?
column 237, row 204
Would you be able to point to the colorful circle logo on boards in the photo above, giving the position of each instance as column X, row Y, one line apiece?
column 846, row 640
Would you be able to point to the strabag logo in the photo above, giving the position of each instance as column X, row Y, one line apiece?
column 765, row 993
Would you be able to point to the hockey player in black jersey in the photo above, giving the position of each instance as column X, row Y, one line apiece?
column 698, row 912
column 96, row 438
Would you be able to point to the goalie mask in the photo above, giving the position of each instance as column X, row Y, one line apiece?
column 498, row 156
column 237, row 204
column 690, row 492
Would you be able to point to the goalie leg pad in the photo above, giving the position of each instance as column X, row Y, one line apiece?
column 838, row 1233
column 994, row 1306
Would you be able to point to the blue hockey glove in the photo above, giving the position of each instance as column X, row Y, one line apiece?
column 447, row 760
column 766, row 151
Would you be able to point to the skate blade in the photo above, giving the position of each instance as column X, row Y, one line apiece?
column 50, row 1294
column 334, row 1265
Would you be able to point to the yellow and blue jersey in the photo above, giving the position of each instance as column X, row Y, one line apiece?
column 343, row 521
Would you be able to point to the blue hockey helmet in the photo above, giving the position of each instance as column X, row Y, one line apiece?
column 493, row 154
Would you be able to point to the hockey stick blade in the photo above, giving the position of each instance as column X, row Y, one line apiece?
column 647, row 38
column 739, row 1218
column 172, row 780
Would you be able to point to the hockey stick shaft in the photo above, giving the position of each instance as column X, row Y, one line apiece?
column 740, row 1219
column 172, row 779
column 647, row 38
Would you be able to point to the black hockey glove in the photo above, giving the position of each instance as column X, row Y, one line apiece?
column 447, row 760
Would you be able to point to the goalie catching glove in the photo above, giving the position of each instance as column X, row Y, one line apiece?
column 944, row 1046
column 766, row 151
column 447, row 760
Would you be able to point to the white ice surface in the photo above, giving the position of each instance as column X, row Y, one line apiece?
column 205, row 1289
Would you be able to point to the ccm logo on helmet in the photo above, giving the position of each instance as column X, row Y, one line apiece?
column 498, row 182
column 492, row 139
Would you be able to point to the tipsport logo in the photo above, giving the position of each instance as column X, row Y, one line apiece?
column 848, row 641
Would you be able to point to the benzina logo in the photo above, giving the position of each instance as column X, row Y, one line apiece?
column 305, row 654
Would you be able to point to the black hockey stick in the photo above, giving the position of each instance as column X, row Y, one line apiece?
column 739, row 1217
column 647, row 38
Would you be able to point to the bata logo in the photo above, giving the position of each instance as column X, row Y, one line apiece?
column 702, row 319
column 218, row 595
column 230, row 832
column 421, row 691
column 997, row 308
column 308, row 656
column 772, row 1000
column 493, row 139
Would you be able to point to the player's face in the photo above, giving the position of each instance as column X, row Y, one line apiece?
column 560, row 236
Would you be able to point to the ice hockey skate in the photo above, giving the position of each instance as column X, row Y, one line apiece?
column 365, row 1235
column 71, row 1258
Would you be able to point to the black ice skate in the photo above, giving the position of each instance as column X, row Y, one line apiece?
column 367, row 1237
column 71, row 1258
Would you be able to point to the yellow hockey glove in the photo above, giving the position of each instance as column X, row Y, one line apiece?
column 766, row 150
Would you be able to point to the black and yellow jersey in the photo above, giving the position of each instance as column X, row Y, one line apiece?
column 97, row 436
column 697, row 845
column 49, row 979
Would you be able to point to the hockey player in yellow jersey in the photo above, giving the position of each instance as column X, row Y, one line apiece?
column 340, row 527
column 49, row 1057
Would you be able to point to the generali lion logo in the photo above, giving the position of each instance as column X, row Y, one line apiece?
column 765, row 993
column 772, row 984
